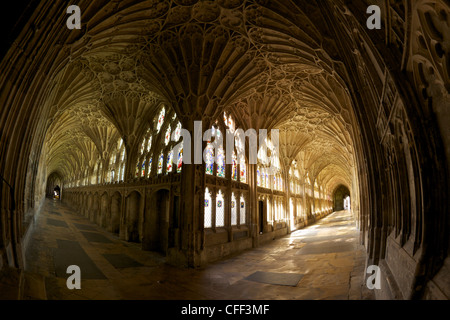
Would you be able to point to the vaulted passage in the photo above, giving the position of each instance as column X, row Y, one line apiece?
column 188, row 132
column 324, row 261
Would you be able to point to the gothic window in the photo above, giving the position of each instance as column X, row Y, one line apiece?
column 160, row 163
column 242, row 171
column 143, row 169
column 178, row 131
column 228, row 121
column 234, row 168
column 169, row 162
column 122, row 171
column 160, row 119
column 209, row 159
column 141, row 151
column 264, row 181
column 220, row 162
column 234, row 209
column 94, row 174
column 242, row 211
column 138, row 167
column 258, row 177
column 116, row 165
column 100, row 170
column 220, row 210
column 149, row 143
column 167, row 136
column 208, row 211
column 180, row 159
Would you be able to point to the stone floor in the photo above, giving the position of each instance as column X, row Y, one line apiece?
column 324, row 258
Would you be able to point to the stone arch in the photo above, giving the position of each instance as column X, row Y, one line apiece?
column 113, row 224
column 132, row 213
column 339, row 195
column 90, row 205
column 105, row 213
column 157, row 222
column 96, row 214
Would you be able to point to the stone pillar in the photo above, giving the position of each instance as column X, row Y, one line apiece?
column 227, row 195
column 287, row 197
column 190, row 252
column 253, row 204
column 313, row 196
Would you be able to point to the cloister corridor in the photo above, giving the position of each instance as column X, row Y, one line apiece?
column 325, row 256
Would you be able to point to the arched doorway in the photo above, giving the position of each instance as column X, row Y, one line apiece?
column 156, row 222
column 96, row 209
column 347, row 205
column 341, row 198
column 57, row 193
column 104, row 212
column 133, row 208
column 116, row 208
column 53, row 189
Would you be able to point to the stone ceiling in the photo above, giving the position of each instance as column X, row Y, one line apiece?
column 269, row 63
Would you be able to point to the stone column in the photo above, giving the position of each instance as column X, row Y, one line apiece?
column 191, row 223
column 253, row 204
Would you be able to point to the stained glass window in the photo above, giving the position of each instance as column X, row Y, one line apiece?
column 149, row 144
column 220, row 210
column 143, row 169
column 258, row 177
column 169, row 161
column 220, row 162
column 178, row 131
column 137, row 169
column 243, row 172
column 180, row 159
column 160, row 163
column 233, row 210
column 167, row 136
column 208, row 212
column 209, row 158
column 242, row 211
column 160, row 120
column 234, row 169
column 230, row 124
column 141, row 151
column 263, row 179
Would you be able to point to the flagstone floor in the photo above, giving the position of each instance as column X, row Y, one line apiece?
column 326, row 257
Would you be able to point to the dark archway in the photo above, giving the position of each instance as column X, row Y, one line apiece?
column 116, row 209
column 104, row 210
column 133, row 208
column 156, row 222
column 54, row 182
column 339, row 196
